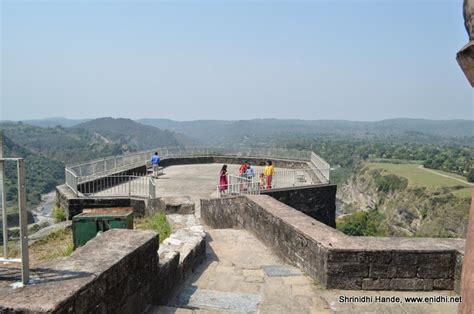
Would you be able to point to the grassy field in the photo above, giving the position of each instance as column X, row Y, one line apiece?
column 417, row 176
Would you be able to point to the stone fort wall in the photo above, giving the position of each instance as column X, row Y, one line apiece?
column 336, row 260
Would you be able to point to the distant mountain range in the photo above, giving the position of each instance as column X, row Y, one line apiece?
column 52, row 122
column 218, row 130
column 147, row 133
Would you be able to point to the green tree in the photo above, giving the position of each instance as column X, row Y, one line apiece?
column 470, row 175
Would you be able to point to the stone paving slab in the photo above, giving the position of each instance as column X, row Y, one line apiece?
column 279, row 271
column 212, row 299
column 238, row 264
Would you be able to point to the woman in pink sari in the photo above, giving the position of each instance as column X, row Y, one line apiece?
column 223, row 184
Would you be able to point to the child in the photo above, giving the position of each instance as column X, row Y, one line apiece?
column 263, row 181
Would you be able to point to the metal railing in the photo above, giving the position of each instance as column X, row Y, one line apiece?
column 281, row 179
column 84, row 173
column 71, row 180
column 119, row 185
column 240, row 185
column 23, row 216
column 320, row 167
column 151, row 188
column 288, row 177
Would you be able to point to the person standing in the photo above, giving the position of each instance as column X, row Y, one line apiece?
column 243, row 169
column 249, row 173
column 223, row 183
column 269, row 171
column 243, row 175
column 155, row 163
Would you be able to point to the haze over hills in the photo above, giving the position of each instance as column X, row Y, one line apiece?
column 216, row 130
column 52, row 122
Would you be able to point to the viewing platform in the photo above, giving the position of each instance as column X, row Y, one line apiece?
column 127, row 175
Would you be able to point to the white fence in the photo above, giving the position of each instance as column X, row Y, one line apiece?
column 85, row 173
column 119, row 185
column 281, row 179
column 240, row 185
column 288, row 177
column 320, row 167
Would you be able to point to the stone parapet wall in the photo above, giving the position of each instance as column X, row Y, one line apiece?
column 111, row 273
column 317, row 201
column 120, row 271
column 336, row 260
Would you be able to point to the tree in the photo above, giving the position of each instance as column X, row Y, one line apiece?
column 470, row 175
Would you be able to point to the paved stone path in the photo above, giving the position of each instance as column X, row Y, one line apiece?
column 243, row 275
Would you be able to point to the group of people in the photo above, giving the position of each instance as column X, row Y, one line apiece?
column 247, row 172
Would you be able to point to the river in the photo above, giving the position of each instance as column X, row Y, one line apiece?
column 42, row 211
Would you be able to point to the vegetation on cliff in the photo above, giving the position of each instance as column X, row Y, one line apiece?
column 399, row 201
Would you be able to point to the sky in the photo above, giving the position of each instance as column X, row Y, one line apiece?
column 188, row 60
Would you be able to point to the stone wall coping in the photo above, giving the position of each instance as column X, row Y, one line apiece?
column 299, row 187
column 336, row 240
column 62, row 279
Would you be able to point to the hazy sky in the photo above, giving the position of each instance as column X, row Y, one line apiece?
column 186, row 60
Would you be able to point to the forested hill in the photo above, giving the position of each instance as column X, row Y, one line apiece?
column 61, row 144
column 53, row 122
column 48, row 149
column 42, row 173
column 133, row 134
column 412, row 130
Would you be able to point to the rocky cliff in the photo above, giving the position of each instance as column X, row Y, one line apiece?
column 408, row 210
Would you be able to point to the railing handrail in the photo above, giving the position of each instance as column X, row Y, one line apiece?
column 99, row 168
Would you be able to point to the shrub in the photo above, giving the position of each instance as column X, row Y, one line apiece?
column 390, row 183
column 361, row 223
column 58, row 214
column 157, row 223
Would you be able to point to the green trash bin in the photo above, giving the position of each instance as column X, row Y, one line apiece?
column 85, row 226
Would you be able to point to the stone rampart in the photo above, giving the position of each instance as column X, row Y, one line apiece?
column 334, row 259
column 111, row 273
column 120, row 271
column 317, row 201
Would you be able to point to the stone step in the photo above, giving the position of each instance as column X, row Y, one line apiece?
column 161, row 309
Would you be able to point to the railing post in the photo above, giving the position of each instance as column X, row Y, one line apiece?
column 25, row 272
column 4, row 200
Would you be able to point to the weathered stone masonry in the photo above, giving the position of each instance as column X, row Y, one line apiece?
column 317, row 201
column 336, row 260
column 120, row 271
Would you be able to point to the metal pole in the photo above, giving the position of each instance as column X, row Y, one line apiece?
column 4, row 200
column 25, row 272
